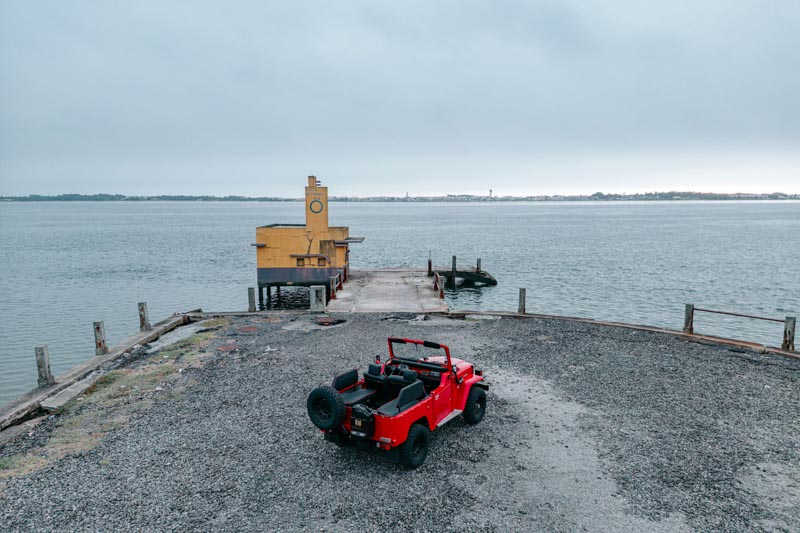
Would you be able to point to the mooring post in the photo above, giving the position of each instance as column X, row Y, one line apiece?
column 317, row 298
column 430, row 267
column 454, row 271
column 144, row 317
column 251, row 300
column 688, row 319
column 521, row 308
column 100, row 346
column 788, row 333
column 478, row 266
column 43, row 366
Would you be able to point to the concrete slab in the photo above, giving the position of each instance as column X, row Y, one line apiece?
column 387, row 291
column 54, row 403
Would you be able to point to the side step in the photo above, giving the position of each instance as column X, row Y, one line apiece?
column 449, row 417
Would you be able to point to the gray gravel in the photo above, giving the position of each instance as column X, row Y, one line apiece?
column 589, row 428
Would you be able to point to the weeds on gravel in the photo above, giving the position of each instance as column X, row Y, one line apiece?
column 114, row 400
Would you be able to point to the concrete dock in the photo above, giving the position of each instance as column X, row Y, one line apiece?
column 387, row 291
column 589, row 428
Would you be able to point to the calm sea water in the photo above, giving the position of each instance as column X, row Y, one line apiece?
column 65, row 265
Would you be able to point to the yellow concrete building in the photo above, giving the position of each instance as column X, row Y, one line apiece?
column 305, row 255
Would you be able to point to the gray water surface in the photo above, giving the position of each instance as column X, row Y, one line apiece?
column 67, row 264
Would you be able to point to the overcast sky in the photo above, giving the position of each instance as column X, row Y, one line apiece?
column 428, row 97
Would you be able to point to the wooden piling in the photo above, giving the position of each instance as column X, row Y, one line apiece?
column 100, row 345
column 43, row 366
column 251, row 300
column 521, row 308
column 478, row 266
column 688, row 319
column 454, row 271
column 788, row 333
column 430, row 267
column 144, row 317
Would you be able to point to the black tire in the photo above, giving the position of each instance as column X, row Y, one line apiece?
column 325, row 407
column 475, row 407
column 415, row 449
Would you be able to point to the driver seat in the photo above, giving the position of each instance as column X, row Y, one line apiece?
column 398, row 383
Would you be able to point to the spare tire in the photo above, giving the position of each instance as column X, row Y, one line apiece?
column 325, row 407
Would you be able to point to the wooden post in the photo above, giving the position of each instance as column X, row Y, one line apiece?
column 478, row 267
column 688, row 319
column 788, row 333
column 521, row 308
column 430, row 268
column 333, row 287
column 43, row 366
column 251, row 300
column 144, row 317
column 454, row 271
column 100, row 346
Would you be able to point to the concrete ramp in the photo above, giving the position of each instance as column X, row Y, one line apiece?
column 387, row 291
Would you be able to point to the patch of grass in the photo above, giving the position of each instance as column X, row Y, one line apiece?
column 113, row 400
column 216, row 322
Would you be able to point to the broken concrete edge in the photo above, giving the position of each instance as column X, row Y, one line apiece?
column 21, row 409
column 690, row 337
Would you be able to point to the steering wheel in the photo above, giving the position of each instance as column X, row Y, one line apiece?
column 394, row 369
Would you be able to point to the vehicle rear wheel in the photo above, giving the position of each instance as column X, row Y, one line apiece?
column 325, row 407
column 475, row 407
column 415, row 449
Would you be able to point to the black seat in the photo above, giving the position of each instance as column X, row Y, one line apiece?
column 374, row 379
column 408, row 397
column 397, row 383
column 355, row 396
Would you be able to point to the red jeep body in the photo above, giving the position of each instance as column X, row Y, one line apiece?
column 432, row 391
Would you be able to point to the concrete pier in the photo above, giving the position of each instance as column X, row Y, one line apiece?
column 387, row 291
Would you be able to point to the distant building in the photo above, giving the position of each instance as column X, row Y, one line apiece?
column 303, row 254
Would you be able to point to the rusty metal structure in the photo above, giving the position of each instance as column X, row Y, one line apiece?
column 313, row 253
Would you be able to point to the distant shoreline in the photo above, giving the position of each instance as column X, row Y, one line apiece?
column 675, row 196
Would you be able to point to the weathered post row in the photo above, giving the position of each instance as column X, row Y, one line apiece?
column 43, row 366
column 251, row 299
column 144, row 317
column 100, row 345
column 688, row 319
column 788, row 333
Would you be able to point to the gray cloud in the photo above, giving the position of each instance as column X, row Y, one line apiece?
column 236, row 97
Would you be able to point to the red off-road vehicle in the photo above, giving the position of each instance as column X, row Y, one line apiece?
column 397, row 404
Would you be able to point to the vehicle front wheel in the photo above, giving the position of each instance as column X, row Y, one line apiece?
column 415, row 449
column 476, row 405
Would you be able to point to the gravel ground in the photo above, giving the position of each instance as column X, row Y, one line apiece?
column 589, row 428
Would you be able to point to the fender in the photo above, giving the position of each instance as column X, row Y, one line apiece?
column 466, row 387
